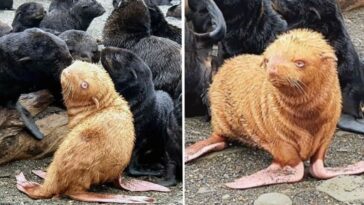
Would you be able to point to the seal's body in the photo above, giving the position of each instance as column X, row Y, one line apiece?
column 129, row 26
column 286, row 101
column 101, row 140
column 153, row 113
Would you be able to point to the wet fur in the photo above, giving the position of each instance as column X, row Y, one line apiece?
column 25, row 67
column 129, row 27
column 79, row 16
column 6, row 4
column 99, row 145
column 284, row 114
column 28, row 15
column 251, row 26
column 81, row 45
column 157, row 138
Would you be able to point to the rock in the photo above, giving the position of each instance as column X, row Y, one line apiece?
column 204, row 190
column 226, row 196
column 273, row 199
column 344, row 188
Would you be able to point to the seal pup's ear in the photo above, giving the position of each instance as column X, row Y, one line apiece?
column 325, row 56
column 134, row 74
column 315, row 12
column 96, row 101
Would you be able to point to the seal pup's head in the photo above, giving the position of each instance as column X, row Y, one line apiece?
column 299, row 61
column 87, row 86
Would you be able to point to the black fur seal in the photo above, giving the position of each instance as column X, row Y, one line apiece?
column 79, row 16
column 6, row 4
column 29, row 61
column 28, row 15
column 128, row 27
column 153, row 153
column 81, row 45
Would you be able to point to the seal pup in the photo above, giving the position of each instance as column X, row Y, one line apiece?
column 129, row 27
column 325, row 16
column 28, row 15
column 27, row 67
column 6, row 4
column 79, row 16
column 151, row 110
column 100, row 142
column 273, row 102
column 81, row 45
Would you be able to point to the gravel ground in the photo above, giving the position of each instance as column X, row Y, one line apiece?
column 206, row 176
column 8, row 192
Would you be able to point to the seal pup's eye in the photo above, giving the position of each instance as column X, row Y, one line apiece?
column 299, row 63
column 84, row 85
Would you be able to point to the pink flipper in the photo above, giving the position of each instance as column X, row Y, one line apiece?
column 139, row 185
column 274, row 174
column 109, row 198
column 192, row 154
column 40, row 173
column 23, row 184
column 318, row 170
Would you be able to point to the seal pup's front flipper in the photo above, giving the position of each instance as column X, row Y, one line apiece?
column 29, row 122
column 274, row 174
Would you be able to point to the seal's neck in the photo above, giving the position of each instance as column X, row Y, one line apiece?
column 77, row 112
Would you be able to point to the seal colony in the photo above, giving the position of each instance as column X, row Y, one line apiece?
column 100, row 120
column 279, row 108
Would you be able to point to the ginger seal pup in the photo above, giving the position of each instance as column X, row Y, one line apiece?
column 99, row 145
column 286, row 101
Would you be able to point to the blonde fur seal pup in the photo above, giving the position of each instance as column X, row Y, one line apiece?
column 286, row 101
column 99, row 145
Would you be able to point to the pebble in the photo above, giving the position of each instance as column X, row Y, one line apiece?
column 226, row 196
column 273, row 199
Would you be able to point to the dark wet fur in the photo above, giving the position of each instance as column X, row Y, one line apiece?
column 129, row 27
column 251, row 26
column 81, row 45
column 28, row 15
column 79, row 16
column 61, row 4
column 6, row 4
column 325, row 16
column 155, row 122
column 29, row 61
column 198, row 74
column 159, row 2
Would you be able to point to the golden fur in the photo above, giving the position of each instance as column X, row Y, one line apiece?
column 291, row 113
column 101, row 140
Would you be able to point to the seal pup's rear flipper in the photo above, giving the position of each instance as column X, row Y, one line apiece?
column 212, row 144
column 139, row 185
column 29, row 122
column 350, row 124
column 109, row 198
